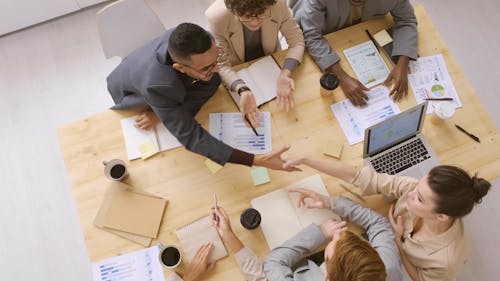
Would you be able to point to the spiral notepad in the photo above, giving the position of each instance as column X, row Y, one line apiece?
column 192, row 236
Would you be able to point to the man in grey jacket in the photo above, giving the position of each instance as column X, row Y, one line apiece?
column 174, row 75
column 320, row 17
column 286, row 262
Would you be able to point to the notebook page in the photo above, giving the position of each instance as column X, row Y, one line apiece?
column 261, row 77
column 134, row 136
column 192, row 236
column 166, row 140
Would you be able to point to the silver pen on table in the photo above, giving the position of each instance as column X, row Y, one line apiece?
column 216, row 218
column 352, row 192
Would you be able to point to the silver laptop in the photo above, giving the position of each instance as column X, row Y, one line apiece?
column 396, row 146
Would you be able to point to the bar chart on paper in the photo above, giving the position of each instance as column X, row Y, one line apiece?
column 230, row 129
column 136, row 266
column 354, row 120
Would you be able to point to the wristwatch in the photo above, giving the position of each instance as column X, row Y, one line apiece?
column 243, row 89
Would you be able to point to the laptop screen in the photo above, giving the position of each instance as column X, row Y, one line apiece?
column 394, row 130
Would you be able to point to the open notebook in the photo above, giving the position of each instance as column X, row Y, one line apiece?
column 192, row 236
column 159, row 135
column 261, row 78
column 281, row 216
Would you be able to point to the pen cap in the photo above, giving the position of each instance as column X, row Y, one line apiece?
column 250, row 218
column 329, row 81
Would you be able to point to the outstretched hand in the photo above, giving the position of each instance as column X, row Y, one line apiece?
column 318, row 201
column 284, row 90
column 274, row 160
column 397, row 225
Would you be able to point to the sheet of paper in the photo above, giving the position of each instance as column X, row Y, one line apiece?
column 135, row 136
column 147, row 149
column 260, row 176
column 333, row 148
column 261, row 77
column 429, row 78
column 382, row 37
column 212, row 166
column 354, row 120
column 166, row 140
column 367, row 63
column 230, row 129
column 135, row 266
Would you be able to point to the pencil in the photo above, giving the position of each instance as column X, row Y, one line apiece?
column 251, row 126
column 215, row 207
column 450, row 99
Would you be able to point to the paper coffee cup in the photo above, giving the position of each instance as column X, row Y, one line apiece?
column 170, row 256
column 115, row 169
column 444, row 110
column 328, row 82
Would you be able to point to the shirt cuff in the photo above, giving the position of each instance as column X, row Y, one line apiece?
column 290, row 64
column 243, row 254
column 233, row 85
column 241, row 157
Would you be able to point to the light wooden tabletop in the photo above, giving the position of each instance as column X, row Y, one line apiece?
column 181, row 176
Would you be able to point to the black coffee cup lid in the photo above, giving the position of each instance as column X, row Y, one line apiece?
column 329, row 81
column 250, row 218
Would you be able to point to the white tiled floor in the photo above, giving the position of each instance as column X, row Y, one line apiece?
column 53, row 74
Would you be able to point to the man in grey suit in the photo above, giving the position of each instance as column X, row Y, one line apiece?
column 174, row 75
column 320, row 17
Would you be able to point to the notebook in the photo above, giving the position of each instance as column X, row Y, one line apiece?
column 261, row 78
column 396, row 145
column 281, row 216
column 192, row 236
column 135, row 137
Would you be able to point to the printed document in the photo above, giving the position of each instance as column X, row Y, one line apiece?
column 230, row 129
column 135, row 266
column 429, row 78
column 354, row 120
column 367, row 64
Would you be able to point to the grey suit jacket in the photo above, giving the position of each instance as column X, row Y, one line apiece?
column 320, row 17
column 280, row 263
column 146, row 77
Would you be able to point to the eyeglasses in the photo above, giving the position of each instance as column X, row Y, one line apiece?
column 207, row 70
column 265, row 15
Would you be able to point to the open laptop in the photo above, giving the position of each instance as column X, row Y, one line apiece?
column 396, row 146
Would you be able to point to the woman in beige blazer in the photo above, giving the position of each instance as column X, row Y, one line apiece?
column 236, row 25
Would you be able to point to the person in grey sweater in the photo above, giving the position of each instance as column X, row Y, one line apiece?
column 347, row 255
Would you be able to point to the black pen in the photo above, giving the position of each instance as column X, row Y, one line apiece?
column 450, row 99
column 251, row 126
column 467, row 133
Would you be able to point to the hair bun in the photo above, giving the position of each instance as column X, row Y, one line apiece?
column 480, row 187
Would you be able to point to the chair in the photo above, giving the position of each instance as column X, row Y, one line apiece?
column 126, row 25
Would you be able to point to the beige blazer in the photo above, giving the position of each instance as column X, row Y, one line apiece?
column 228, row 33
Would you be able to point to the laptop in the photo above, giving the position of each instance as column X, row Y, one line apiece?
column 396, row 146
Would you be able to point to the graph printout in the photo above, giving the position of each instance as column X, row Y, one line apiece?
column 354, row 120
column 230, row 129
column 367, row 63
column 142, row 265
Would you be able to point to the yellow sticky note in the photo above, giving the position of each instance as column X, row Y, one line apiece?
column 260, row 176
column 212, row 166
column 382, row 37
column 147, row 149
column 333, row 148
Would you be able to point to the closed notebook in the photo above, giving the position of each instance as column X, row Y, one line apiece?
column 192, row 236
column 281, row 216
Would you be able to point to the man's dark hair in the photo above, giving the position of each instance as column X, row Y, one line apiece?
column 188, row 39
column 248, row 7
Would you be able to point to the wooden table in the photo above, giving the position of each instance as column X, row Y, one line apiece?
column 181, row 176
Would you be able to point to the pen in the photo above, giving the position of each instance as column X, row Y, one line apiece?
column 467, row 133
column 352, row 192
column 251, row 126
column 377, row 45
column 216, row 218
column 439, row 99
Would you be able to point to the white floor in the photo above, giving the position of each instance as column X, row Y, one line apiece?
column 54, row 73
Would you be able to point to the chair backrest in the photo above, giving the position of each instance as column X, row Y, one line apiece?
column 126, row 25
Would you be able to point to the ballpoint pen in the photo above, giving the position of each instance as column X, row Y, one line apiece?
column 216, row 218
column 467, row 133
column 352, row 192
column 450, row 99
column 251, row 126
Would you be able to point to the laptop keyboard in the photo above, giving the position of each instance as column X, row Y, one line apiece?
column 401, row 158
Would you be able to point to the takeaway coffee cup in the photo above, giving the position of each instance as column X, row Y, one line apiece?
column 115, row 169
column 328, row 82
column 443, row 110
column 170, row 256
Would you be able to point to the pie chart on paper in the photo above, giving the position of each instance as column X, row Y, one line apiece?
column 437, row 91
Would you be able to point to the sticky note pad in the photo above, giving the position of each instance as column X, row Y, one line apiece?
column 260, row 176
column 147, row 149
column 382, row 37
column 212, row 166
column 333, row 148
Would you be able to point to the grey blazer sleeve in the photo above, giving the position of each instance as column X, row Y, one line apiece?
column 279, row 264
column 405, row 33
column 379, row 233
column 312, row 20
column 179, row 120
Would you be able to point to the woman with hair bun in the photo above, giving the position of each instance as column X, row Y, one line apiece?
column 427, row 216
